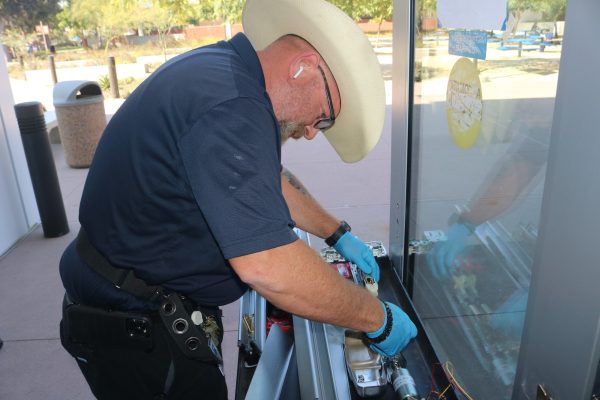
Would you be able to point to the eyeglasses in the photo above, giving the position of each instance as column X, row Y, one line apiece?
column 325, row 123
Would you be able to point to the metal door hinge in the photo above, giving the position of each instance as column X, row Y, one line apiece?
column 419, row 246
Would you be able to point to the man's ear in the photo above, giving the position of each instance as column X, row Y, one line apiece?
column 303, row 63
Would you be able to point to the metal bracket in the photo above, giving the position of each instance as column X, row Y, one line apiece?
column 419, row 246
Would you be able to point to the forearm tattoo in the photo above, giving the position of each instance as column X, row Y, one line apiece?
column 295, row 182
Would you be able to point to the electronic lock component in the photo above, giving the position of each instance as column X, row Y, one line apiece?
column 330, row 255
column 365, row 367
column 371, row 285
column 368, row 371
column 403, row 382
column 343, row 268
column 377, row 249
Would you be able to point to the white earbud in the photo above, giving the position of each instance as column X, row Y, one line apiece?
column 297, row 74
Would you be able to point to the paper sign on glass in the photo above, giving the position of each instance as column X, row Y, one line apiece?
column 472, row 14
column 471, row 44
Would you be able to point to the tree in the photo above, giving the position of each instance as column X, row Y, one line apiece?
column 110, row 19
column 379, row 10
column 355, row 9
column 518, row 7
column 16, row 41
column 162, row 16
column 26, row 14
column 80, row 17
column 228, row 11
column 117, row 17
column 427, row 9
column 551, row 9
column 554, row 10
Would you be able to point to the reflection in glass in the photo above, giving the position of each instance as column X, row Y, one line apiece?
column 480, row 144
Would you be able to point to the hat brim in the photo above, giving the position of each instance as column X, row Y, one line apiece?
column 347, row 52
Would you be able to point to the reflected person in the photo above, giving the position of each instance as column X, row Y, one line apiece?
column 517, row 172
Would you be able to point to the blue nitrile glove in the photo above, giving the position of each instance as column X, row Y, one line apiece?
column 403, row 331
column 441, row 258
column 355, row 250
column 508, row 319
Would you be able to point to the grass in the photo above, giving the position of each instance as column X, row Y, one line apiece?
column 126, row 85
column 69, row 56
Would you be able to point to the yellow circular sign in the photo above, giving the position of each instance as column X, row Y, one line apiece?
column 464, row 106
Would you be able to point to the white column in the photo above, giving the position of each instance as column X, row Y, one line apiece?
column 18, row 210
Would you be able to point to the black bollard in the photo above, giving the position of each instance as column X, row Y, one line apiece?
column 53, row 69
column 42, row 170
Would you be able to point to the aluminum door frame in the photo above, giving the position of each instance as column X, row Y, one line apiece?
column 560, row 347
column 402, row 60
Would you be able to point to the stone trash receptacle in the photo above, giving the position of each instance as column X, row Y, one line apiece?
column 81, row 119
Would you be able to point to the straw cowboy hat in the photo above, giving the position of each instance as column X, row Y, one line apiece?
column 347, row 52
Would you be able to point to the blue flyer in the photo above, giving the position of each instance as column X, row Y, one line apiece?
column 472, row 44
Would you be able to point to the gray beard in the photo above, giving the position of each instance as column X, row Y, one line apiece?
column 290, row 129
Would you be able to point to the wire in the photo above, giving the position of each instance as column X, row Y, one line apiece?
column 449, row 369
column 444, row 391
column 438, row 395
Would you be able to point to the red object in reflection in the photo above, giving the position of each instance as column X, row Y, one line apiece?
column 469, row 264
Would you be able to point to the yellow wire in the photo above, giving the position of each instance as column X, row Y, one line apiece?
column 438, row 395
column 449, row 368
column 444, row 391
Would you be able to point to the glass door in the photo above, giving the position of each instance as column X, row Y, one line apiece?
column 481, row 109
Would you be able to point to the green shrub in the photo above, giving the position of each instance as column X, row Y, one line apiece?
column 104, row 82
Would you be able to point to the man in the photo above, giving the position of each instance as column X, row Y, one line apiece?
column 185, row 204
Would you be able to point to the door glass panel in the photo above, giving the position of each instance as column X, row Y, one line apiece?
column 480, row 130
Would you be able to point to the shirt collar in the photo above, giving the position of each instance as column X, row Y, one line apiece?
column 244, row 48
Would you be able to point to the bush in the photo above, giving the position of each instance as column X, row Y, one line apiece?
column 15, row 71
column 104, row 82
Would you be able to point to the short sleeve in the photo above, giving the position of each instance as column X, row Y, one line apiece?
column 231, row 158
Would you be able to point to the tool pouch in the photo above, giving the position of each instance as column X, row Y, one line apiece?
column 191, row 339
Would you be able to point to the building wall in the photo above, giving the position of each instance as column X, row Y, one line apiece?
column 18, row 211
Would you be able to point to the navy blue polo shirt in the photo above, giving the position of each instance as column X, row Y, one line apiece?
column 187, row 175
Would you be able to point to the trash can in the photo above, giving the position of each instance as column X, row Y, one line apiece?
column 81, row 119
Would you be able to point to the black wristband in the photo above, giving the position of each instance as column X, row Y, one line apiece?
column 386, row 330
column 339, row 232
